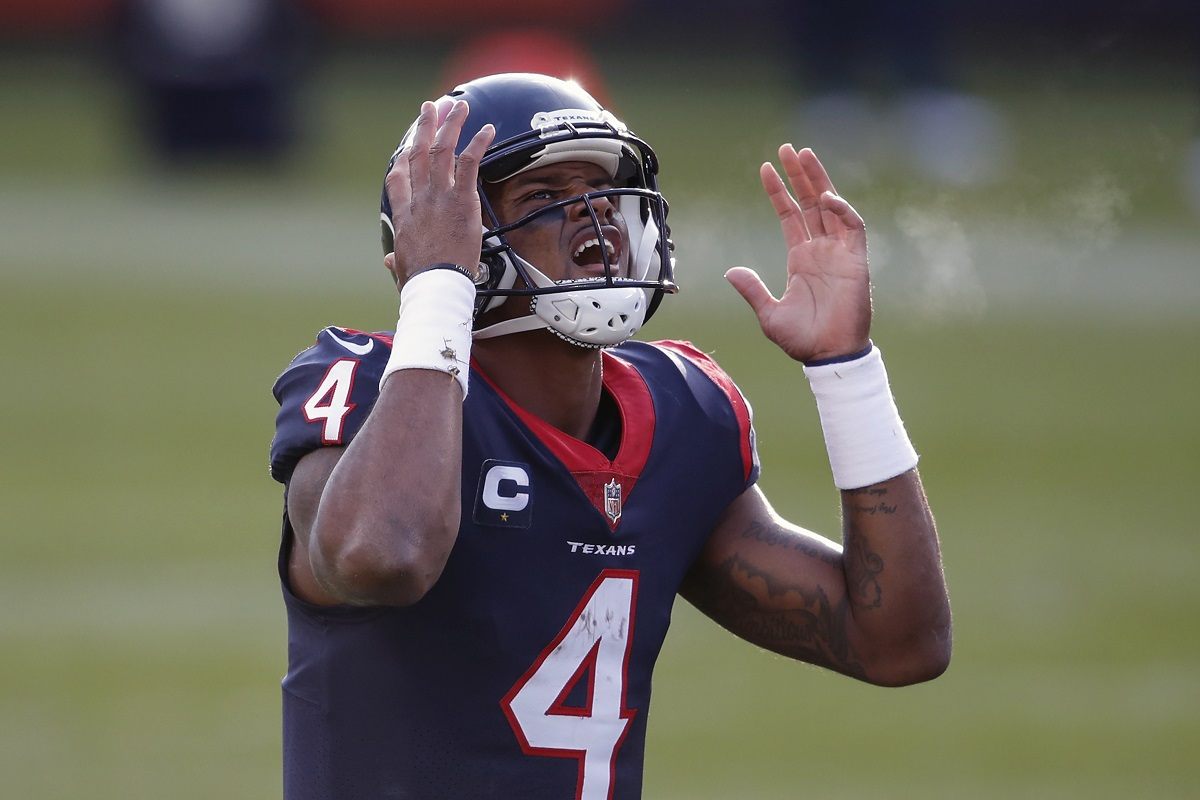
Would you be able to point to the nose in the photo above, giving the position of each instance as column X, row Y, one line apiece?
column 605, row 207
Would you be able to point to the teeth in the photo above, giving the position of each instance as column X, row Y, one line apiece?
column 594, row 243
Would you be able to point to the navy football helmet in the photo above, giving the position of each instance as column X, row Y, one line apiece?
column 540, row 121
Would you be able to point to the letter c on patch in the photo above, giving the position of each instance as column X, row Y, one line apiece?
column 505, row 477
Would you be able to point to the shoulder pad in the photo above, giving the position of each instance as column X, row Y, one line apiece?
column 694, row 364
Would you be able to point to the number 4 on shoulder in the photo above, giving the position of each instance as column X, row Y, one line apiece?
column 331, row 401
column 595, row 642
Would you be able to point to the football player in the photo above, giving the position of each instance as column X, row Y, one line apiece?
column 490, row 511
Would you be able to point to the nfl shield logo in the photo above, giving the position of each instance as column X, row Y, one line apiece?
column 612, row 500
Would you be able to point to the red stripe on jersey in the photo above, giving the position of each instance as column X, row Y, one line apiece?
column 385, row 338
column 741, row 409
column 590, row 467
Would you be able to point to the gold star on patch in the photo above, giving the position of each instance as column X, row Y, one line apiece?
column 504, row 516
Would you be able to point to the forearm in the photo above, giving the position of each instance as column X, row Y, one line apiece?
column 894, row 583
column 389, row 514
column 879, row 611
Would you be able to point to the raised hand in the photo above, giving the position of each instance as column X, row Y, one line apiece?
column 825, row 309
column 434, row 196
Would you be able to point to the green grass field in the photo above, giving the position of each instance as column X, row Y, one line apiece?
column 1050, row 383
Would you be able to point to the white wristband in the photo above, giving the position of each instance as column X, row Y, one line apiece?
column 434, row 329
column 864, row 435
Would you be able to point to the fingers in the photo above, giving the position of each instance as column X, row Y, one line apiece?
column 441, row 152
column 752, row 289
column 434, row 196
column 807, row 193
column 431, row 152
column 443, row 105
column 399, row 189
column 418, row 149
column 815, row 171
column 841, row 219
column 790, row 217
column 467, row 171
column 801, row 211
column 429, row 158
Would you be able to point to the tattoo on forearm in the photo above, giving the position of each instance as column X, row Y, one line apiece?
column 789, row 619
column 863, row 566
column 760, row 532
column 870, row 500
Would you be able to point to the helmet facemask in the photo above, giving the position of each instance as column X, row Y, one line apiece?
column 597, row 311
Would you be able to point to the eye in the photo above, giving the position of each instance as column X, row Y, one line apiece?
column 538, row 196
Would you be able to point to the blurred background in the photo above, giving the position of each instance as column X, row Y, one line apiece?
column 189, row 191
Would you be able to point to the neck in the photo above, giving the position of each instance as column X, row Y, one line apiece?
column 553, row 379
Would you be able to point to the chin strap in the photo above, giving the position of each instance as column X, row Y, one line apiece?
column 515, row 325
column 532, row 322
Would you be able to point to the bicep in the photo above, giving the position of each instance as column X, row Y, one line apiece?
column 776, row 585
column 305, row 488
column 751, row 535
column 306, row 485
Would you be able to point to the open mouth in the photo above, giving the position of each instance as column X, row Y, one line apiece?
column 588, row 251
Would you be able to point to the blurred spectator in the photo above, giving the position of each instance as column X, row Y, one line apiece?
column 214, row 77
column 879, row 90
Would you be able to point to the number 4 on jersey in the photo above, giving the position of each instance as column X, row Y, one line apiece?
column 595, row 641
column 331, row 401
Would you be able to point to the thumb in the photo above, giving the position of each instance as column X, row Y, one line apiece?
column 751, row 288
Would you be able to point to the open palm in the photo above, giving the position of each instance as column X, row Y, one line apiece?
column 825, row 308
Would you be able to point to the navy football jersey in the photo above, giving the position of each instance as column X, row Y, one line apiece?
column 525, row 672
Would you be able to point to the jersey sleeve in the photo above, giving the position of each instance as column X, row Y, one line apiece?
column 325, row 395
column 738, row 404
